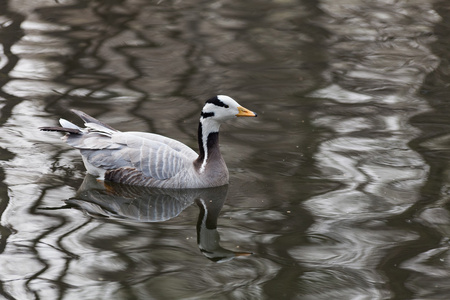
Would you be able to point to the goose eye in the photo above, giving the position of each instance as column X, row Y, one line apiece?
column 226, row 106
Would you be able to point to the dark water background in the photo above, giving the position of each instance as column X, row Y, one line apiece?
column 340, row 188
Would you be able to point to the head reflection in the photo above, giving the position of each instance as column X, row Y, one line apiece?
column 142, row 204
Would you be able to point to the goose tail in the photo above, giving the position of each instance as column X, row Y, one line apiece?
column 66, row 127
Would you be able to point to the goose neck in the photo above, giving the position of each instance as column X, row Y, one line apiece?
column 208, row 143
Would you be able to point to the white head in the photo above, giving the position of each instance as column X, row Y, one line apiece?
column 222, row 108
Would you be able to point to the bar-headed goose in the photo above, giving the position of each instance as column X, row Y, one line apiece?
column 148, row 159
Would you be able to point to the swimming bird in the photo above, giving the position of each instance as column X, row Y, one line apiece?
column 153, row 160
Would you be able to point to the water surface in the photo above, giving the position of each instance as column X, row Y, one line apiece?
column 339, row 188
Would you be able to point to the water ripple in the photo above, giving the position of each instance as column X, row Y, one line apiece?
column 339, row 188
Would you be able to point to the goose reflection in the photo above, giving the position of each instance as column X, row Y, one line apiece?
column 143, row 204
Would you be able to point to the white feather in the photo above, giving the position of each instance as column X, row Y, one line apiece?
column 99, row 128
column 66, row 124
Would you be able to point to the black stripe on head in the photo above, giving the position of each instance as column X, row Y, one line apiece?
column 217, row 102
column 207, row 115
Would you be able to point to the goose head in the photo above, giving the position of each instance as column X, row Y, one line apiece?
column 222, row 108
column 216, row 111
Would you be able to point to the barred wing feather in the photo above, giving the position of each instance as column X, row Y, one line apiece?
column 152, row 158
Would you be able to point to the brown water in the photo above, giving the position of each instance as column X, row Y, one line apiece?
column 340, row 188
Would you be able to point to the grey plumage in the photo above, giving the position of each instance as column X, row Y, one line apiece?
column 149, row 159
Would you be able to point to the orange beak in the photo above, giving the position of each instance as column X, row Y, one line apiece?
column 243, row 112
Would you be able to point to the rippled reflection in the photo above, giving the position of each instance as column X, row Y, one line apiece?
column 340, row 191
column 376, row 68
column 142, row 204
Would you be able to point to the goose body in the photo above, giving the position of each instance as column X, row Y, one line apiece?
column 153, row 160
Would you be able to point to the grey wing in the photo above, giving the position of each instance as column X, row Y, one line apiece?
column 88, row 119
column 151, row 158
